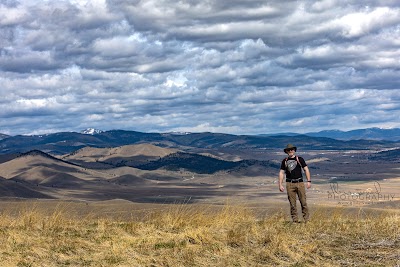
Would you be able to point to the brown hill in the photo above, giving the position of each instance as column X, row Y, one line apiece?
column 129, row 179
column 37, row 167
column 13, row 189
column 129, row 155
column 49, row 177
column 38, row 175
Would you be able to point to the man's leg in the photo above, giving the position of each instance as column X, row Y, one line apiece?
column 292, row 196
column 303, row 201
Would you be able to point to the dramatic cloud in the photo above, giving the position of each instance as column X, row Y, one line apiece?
column 241, row 67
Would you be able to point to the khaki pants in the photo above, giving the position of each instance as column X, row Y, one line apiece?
column 294, row 190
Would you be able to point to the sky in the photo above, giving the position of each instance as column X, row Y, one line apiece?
column 238, row 67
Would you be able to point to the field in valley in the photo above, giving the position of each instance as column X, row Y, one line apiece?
column 126, row 217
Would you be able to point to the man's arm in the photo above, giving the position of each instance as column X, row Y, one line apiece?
column 281, row 175
column 308, row 176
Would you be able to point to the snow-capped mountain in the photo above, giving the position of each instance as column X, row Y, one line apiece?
column 91, row 131
column 3, row 136
column 178, row 133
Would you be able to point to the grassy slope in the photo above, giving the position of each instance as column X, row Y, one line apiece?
column 187, row 235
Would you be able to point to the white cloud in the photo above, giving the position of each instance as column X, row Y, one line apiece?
column 12, row 16
column 121, row 46
column 222, row 66
column 35, row 103
column 361, row 23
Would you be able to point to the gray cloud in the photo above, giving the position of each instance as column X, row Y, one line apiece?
column 243, row 67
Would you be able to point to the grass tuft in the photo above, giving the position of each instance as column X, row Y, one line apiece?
column 193, row 235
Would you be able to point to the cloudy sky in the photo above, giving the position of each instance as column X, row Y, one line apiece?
column 230, row 66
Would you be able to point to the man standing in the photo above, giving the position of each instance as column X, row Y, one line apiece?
column 291, row 166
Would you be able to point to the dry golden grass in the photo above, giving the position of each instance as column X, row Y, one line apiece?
column 190, row 235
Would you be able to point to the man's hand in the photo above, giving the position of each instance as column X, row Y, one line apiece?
column 280, row 179
column 308, row 185
column 308, row 176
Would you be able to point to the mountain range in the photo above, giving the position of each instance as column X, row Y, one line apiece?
column 366, row 134
column 67, row 142
column 375, row 133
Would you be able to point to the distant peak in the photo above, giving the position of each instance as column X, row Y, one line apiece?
column 178, row 133
column 3, row 136
column 91, row 131
column 37, row 152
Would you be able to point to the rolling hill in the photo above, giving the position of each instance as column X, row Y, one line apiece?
column 36, row 167
column 392, row 155
column 366, row 134
column 68, row 142
column 36, row 174
column 147, row 167
column 157, row 169
column 203, row 164
column 129, row 155
column 3, row 136
column 190, row 162
column 13, row 189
